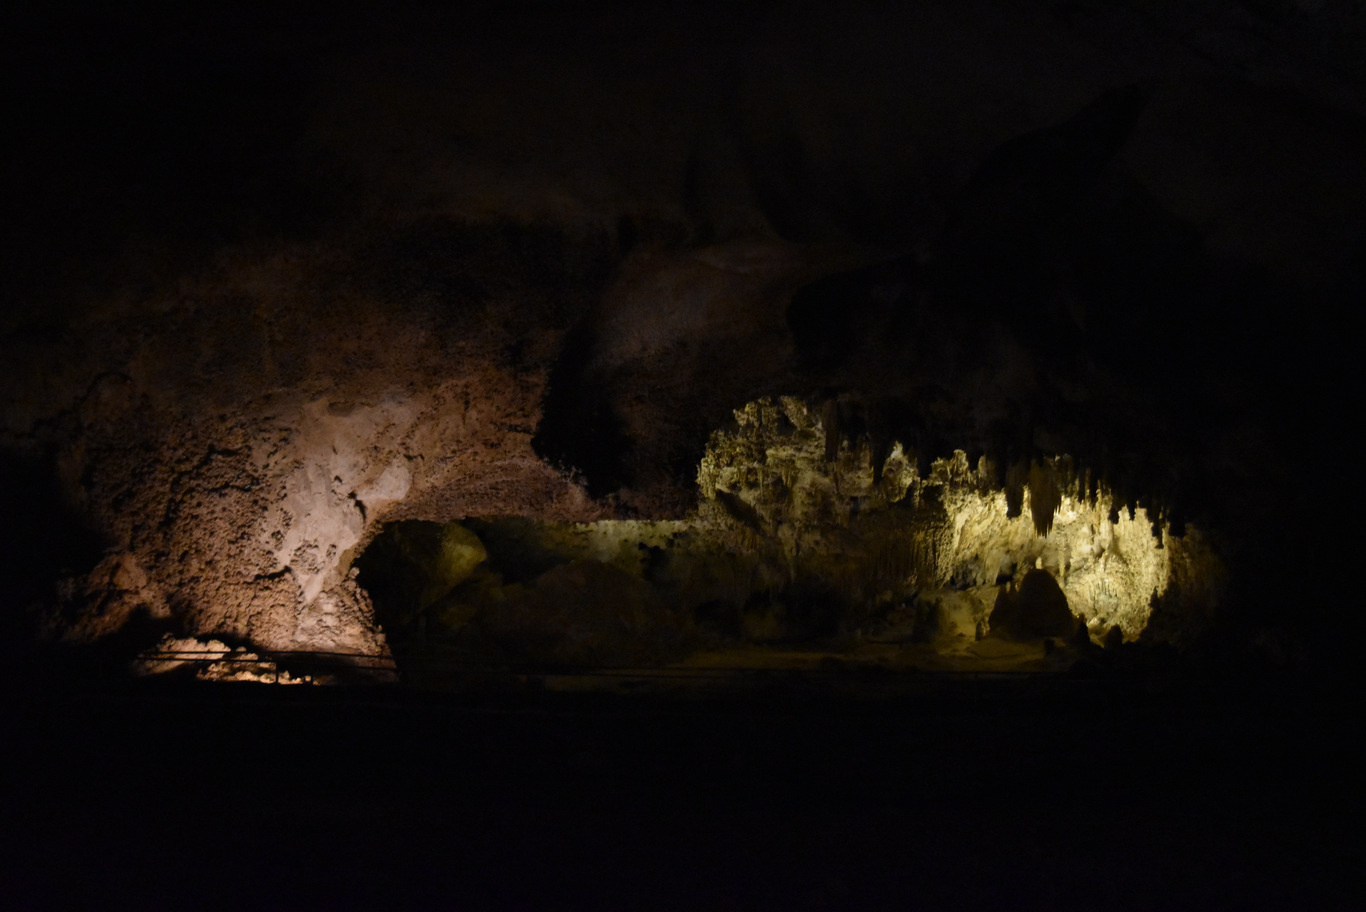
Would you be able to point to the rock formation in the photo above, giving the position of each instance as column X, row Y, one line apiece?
column 1038, row 608
column 279, row 285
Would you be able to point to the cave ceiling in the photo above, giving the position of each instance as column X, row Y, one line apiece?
column 278, row 277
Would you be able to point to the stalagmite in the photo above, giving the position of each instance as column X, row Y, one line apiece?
column 880, row 447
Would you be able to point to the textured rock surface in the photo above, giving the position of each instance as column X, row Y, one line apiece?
column 280, row 281
column 233, row 488
column 787, row 545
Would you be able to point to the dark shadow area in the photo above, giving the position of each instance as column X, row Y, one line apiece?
column 586, row 720
column 972, row 794
column 44, row 540
column 174, row 128
column 411, row 565
column 833, row 317
column 1052, row 255
column 1037, row 608
column 579, row 430
column 46, row 543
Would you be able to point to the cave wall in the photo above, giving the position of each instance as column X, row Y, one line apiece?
column 235, row 454
column 283, row 276
column 880, row 533
column 803, row 549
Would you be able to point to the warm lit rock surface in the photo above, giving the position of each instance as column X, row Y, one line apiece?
column 278, row 283
column 235, row 486
column 787, row 545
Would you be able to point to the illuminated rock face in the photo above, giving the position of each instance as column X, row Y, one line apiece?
column 787, row 544
column 884, row 538
column 477, row 283
column 236, row 458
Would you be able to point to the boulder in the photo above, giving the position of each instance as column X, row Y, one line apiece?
column 413, row 565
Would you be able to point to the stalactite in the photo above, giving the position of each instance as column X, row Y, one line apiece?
column 1044, row 496
column 830, row 419
column 1016, row 477
column 986, row 472
column 928, row 522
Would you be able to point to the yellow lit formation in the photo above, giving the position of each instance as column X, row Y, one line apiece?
column 944, row 536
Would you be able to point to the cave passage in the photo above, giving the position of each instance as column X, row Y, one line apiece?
column 796, row 557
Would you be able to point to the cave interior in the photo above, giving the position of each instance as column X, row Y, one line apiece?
column 855, row 446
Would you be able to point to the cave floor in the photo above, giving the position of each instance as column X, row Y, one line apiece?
column 871, row 670
column 973, row 792
column 992, row 654
column 862, row 669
